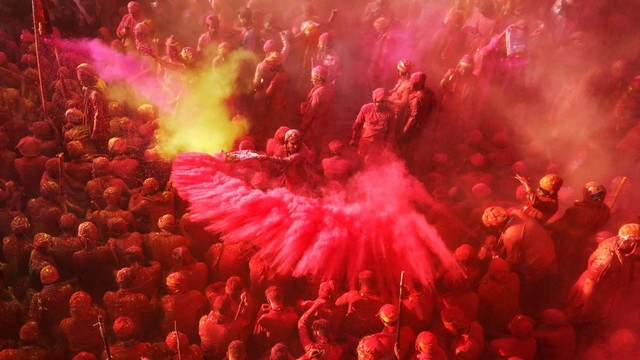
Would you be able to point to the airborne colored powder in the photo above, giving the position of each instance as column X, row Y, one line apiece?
column 193, row 115
column 372, row 224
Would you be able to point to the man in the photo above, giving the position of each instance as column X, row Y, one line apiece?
column 45, row 210
column 328, row 57
column 93, row 263
column 125, row 302
column 542, row 203
column 209, row 40
column 601, row 285
column 582, row 220
column 160, row 244
column 421, row 104
column 388, row 314
column 150, row 205
column 316, row 110
column 30, row 166
column 219, row 328
column 399, row 95
column 79, row 330
column 373, row 129
column 460, row 94
column 249, row 36
column 521, row 344
column 428, row 348
column 17, row 247
column 522, row 241
column 128, row 23
column 121, row 239
column 95, row 106
column 112, row 196
column 269, row 99
column 297, row 161
column 182, row 306
column 468, row 336
column 276, row 323
column 318, row 344
column 50, row 305
column 127, row 346
column 361, row 308
column 338, row 167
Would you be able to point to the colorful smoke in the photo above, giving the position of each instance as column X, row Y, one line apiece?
column 372, row 225
column 193, row 120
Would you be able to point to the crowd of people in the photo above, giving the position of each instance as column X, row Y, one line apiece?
column 505, row 110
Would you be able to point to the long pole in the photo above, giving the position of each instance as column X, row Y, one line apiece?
column 399, row 311
column 36, row 35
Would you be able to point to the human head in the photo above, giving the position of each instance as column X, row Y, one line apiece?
column 550, row 184
column 50, row 190
column 629, row 235
column 426, row 343
column 325, row 41
column 174, row 338
column 176, row 283
column 244, row 16
column 319, row 75
column 293, row 141
column 172, row 47
column 100, row 166
column 418, row 80
column 381, row 25
column 593, row 192
column 29, row 146
column 388, row 314
column 212, row 24
column 133, row 255
column 371, row 347
column 123, row 328
column 454, row 320
column 233, row 286
column 117, row 226
column 20, row 224
column 336, row 147
column 465, row 65
column 167, row 222
column 150, row 186
column 112, row 195
column 404, row 67
column 366, row 279
column 79, row 303
column 133, row 7
column 379, row 96
column 327, row 290
column 29, row 332
column 68, row 223
column 124, row 278
column 521, row 326
column 275, row 296
column 224, row 48
column 182, row 256
column 279, row 351
column 74, row 116
column 320, row 329
column 88, row 232
column 48, row 275
column 87, row 75
column 236, row 350
column 494, row 216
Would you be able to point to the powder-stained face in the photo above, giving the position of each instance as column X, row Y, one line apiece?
column 294, row 145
